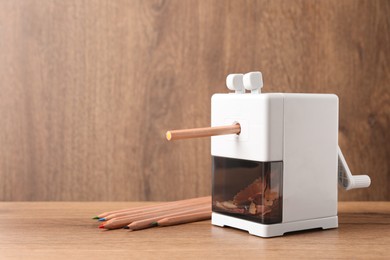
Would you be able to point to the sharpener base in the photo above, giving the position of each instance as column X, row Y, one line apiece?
column 273, row 230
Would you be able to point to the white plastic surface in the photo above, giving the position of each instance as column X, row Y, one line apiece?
column 253, row 81
column 310, row 156
column 299, row 129
column 235, row 82
column 272, row 230
column 261, row 120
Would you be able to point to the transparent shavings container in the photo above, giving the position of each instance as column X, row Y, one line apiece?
column 248, row 190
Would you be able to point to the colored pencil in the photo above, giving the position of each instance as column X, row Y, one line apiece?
column 182, row 219
column 203, row 132
column 104, row 214
column 120, row 222
column 150, row 222
column 161, row 207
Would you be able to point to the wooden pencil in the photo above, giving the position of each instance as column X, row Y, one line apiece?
column 148, row 214
column 203, row 132
column 150, row 222
column 123, row 221
column 104, row 214
column 182, row 219
column 164, row 207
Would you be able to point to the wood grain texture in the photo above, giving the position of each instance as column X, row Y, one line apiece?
column 89, row 88
column 64, row 230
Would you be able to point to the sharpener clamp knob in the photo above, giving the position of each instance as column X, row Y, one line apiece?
column 253, row 81
column 235, row 82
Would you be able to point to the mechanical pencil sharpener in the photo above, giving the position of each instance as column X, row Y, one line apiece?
column 276, row 160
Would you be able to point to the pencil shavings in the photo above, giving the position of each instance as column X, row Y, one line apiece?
column 221, row 205
column 229, row 204
column 252, row 208
column 253, row 191
column 270, row 197
column 262, row 210
column 258, row 200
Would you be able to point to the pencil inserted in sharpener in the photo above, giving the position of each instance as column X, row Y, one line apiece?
column 279, row 172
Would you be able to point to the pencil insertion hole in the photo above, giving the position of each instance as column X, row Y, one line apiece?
column 236, row 123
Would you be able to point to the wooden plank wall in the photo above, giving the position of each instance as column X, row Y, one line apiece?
column 88, row 88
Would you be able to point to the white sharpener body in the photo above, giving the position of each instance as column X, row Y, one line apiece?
column 298, row 130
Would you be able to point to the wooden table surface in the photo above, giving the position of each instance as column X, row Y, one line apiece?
column 65, row 230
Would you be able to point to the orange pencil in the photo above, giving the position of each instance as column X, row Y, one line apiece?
column 163, row 207
column 186, row 218
column 150, row 222
column 104, row 214
column 203, row 132
column 123, row 221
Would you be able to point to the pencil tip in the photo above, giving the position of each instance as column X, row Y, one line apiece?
column 101, row 226
column 154, row 224
column 125, row 227
column 95, row 217
column 168, row 135
column 102, row 219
